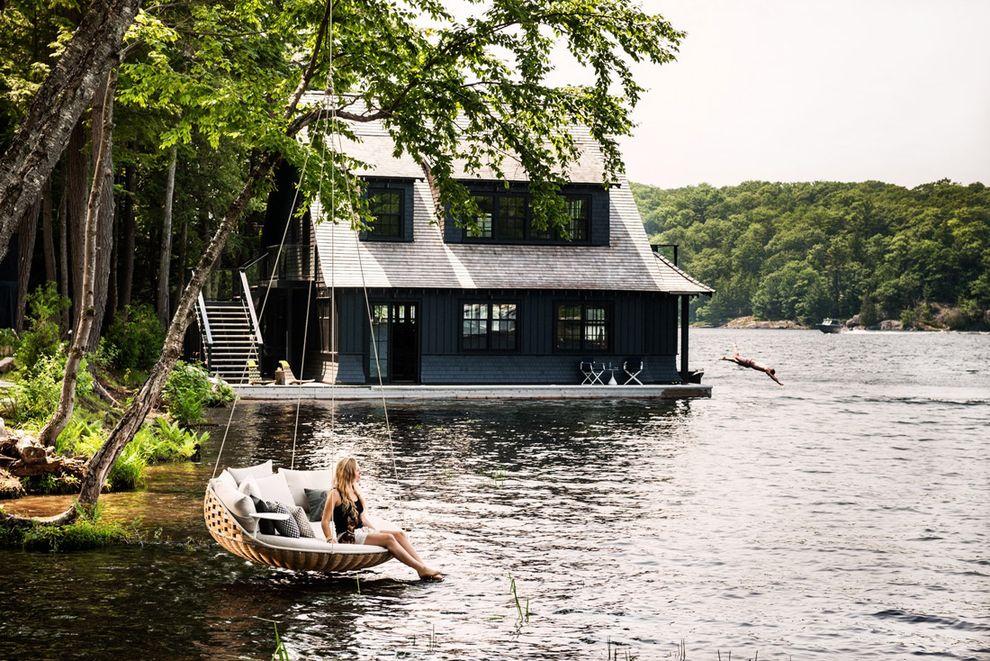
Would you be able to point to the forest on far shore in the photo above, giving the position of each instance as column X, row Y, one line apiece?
column 804, row 251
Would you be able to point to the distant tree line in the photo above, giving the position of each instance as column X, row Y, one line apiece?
column 804, row 251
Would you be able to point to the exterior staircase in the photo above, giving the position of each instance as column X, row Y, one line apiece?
column 230, row 338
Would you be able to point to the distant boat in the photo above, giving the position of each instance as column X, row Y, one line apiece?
column 830, row 325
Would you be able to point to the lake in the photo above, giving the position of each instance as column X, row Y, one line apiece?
column 844, row 515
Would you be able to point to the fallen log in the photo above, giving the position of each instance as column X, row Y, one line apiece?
column 30, row 452
column 55, row 465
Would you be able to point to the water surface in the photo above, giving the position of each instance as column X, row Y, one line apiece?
column 841, row 516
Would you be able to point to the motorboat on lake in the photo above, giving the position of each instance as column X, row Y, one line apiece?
column 830, row 325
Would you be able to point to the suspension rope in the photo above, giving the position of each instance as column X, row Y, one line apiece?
column 371, row 326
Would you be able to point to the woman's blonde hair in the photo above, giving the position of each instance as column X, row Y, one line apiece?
column 344, row 479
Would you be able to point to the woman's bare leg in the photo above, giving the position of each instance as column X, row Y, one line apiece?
column 403, row 539
column 399, row 552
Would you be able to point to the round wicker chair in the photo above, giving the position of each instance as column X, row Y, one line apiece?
column 229, row 534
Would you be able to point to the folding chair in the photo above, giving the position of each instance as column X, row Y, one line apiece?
column 585, row 368
column 633, row 371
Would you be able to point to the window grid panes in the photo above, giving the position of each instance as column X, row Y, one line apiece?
column 582, row 327
column 488, row 326
column 482, row 226
column 386, row 208
column 507, row 217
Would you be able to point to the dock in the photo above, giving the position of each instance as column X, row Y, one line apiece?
column 323, row 391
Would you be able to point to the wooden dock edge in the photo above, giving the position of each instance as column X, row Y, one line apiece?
column 454, row 392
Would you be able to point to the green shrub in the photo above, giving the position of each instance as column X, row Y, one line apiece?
column 127, row 473
column 43, row 337
column 189, row 390
column 134, row 339
column 165, row 441
column 9, row 341
column 40, row 388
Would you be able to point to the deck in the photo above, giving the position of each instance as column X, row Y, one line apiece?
column 323, row 391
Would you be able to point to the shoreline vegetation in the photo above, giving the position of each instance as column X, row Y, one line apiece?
column 29, row 395
column 878, row 255
column 935, row 323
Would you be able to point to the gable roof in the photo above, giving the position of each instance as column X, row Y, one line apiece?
column 627, row 263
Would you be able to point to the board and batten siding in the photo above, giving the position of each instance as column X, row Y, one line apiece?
column 642, row 325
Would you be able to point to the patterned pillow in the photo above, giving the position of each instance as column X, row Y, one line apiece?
column 302, row 521
column 285, row 527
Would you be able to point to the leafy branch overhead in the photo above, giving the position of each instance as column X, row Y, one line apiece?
column 473, row 89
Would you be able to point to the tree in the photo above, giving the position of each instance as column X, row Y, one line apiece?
column 102, row 137
column 57, row 108
column 166, row 256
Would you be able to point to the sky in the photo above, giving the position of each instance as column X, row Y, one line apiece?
column 802, row 90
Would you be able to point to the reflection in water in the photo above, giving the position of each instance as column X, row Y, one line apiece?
column 841, row 516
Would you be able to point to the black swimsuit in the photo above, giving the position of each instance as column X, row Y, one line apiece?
column 346, row 525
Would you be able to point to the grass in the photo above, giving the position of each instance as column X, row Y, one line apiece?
column 522, row 616
column 84, row 534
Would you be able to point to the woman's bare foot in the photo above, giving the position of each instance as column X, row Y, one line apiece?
column 430, row 575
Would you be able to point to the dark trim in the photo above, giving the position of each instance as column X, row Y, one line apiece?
column 585, row 304
column 497, row 193
column 404, row 189
column 459, row 322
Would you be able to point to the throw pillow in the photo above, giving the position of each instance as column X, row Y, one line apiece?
column 265, row 526
column 258, row 470
column 316, row 500
column 299, row 515
column 284, row 527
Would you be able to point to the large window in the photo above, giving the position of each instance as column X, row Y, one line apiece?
column 488, row 326
column 386, row 208
column 582, row 327
column 506, row 216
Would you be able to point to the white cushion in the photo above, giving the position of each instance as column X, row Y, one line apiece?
column 258, row 470
column 227, row 479
column 314, row 544
column 240, row 505
column 299, row 481
column 272, row 488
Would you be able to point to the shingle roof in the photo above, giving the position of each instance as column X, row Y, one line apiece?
column 627, row 263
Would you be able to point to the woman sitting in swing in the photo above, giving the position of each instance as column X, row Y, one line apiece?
column 345, row 508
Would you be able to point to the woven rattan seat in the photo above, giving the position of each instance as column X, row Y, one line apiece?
column 229, row 534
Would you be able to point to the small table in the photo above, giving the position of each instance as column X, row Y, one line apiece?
column 612, row 369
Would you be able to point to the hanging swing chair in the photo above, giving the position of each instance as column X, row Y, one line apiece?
column 226, row 523
column 229, row 534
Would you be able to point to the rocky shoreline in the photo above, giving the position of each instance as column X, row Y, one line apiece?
column 751, row 322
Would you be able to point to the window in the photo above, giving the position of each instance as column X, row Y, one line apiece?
column 511, row 218
column 481, row 228
column 328, row 336
column 578, row 208
column 488, row 326
column 582, row 327
column 506, row 216
column 386, row 208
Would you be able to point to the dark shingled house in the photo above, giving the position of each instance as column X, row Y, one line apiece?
column 500, row 303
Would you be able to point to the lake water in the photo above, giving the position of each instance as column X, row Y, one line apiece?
column 844, row 515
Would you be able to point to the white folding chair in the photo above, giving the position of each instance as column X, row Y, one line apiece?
column 586, row 371
column 596, row 374
column 633, row 376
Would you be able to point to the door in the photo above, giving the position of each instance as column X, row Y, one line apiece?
column 395, row 331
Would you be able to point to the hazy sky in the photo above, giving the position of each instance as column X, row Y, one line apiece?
column 794, row 90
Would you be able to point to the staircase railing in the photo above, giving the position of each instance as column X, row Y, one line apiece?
column 249, row 304
column 204, row 320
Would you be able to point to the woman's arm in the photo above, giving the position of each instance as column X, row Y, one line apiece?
column 327, row 519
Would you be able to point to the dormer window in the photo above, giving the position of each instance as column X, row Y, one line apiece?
column 386, row 209
column 506, row 217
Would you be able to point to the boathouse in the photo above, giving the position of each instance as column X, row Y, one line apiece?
column 500, row 302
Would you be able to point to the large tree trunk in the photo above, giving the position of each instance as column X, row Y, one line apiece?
column 104, row 238
column 136, row 413
column 58, row 106
column 102, row 138
column 25, row 258
column 166, row 255
column 126, row 240
column 77, row 178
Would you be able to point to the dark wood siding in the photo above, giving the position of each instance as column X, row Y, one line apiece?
column 642, row 325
